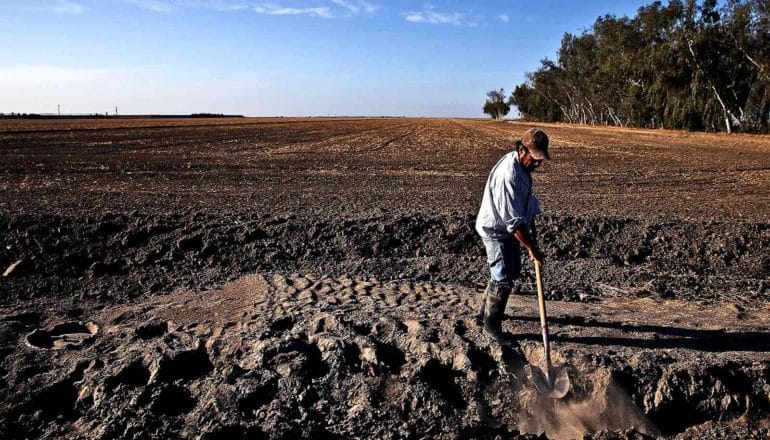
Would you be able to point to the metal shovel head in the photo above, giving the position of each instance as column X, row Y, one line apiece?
column 555, row 388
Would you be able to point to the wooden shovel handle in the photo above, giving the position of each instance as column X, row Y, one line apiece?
column 543, row 323
column 540, row 296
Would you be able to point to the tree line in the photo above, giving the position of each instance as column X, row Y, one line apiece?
column 685, row 65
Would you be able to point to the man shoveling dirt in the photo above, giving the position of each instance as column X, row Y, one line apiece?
column 506, row 221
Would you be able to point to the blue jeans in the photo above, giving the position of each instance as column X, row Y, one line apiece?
column 504, row 260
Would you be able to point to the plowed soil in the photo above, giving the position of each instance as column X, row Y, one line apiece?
column 318, row 278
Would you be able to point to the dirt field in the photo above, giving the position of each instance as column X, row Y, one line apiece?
column 287, row 278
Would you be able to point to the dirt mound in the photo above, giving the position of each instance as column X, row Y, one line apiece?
column 119, row 256
column 334, row 357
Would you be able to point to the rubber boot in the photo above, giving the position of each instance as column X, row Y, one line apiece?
column 483, row 304
column 497, row 298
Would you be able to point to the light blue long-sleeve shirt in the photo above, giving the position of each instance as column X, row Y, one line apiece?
column 508, row 202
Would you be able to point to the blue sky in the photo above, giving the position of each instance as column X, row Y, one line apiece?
column 291, row 58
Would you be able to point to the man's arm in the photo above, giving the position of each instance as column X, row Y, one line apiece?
column 529, row 243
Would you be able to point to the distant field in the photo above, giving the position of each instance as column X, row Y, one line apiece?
column 8, row 125
column 356, row 165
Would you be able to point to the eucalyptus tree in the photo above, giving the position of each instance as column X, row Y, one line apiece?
column 686, row 64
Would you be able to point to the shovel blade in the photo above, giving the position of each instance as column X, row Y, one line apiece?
column 554, row 385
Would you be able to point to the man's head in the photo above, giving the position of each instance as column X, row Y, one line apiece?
column 533, row 149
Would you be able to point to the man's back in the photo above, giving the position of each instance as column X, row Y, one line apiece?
column 505, row 204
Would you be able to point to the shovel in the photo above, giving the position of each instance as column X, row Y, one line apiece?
column 553, row 382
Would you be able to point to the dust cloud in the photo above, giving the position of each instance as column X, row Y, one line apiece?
column 595, row 403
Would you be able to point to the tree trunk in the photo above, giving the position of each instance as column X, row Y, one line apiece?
column 725, row 111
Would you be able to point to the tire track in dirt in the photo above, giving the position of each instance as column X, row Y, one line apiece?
column 363, row 135
column 287, row 353
column 393, row 139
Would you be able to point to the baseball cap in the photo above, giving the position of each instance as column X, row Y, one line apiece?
column 536, row 142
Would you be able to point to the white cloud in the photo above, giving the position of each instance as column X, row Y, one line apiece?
column 430, row 15
column 270, row 9
column 504, row 18
column 356, row 6
column 63, row 7
column 343, row 7
column 217, row 5
column 172, row 5
column 154, row 5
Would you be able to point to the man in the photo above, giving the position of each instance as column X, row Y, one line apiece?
column 506, row 222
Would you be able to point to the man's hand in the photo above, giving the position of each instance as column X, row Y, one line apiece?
column 536, row 255
column 525, row 239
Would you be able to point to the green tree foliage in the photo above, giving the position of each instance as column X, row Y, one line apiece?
column 689, row 64
column 496, row 105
